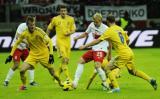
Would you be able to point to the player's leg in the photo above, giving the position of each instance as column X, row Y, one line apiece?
column 31, row 70
column 44, row 62
column 86, row 57
column 16, row 62
column 59, row 71
column 78, row 72
column 133, row 71
column 112, row 75
column 65, row 62
column 116, row 71
column 64, row 53
column 24, row 68
column 98, row 57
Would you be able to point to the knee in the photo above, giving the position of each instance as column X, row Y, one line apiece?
column 132, row 72
column 81, row 61
column 15, row 66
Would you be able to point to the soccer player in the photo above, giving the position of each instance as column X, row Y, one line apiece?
column 64, row 26
column 125, row 57
column 20, row 53
column 39, row 52
column 98, row 51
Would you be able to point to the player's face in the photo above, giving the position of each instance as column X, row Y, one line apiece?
column 63, row 12
column 97, row 21
column 31, row 26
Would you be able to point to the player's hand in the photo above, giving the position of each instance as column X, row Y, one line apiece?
column 8, row 59
column 51, row 59
column 82, row 47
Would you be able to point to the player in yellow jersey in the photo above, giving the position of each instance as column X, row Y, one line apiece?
column 125, row 57
column 39, row 53
column 64, row 26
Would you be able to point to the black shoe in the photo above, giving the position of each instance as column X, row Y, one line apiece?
column 5, row 83
column 154, row 84
column 33, row 83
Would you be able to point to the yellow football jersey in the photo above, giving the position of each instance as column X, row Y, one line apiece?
column 118, row 37
column 37, row 42
column 62, row 26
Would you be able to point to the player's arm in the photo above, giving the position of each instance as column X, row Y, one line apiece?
column 20, row 39
column 91, row 80
column 50, row 26
column 81, row 36
column 72, row 28
column 49, row 42
column 94, row 42
column 127, row 38
column 109, row 51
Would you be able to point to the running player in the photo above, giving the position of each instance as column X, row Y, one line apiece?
column 64, row 26
column 20, row 53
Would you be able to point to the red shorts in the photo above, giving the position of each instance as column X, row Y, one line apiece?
column 97, row 56
column 20, row 54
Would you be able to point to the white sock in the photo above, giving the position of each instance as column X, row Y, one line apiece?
column 9, row 75
column 78, row 74
column 101, row 74
column 31, row 75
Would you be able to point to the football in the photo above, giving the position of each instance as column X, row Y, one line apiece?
column 67, row 87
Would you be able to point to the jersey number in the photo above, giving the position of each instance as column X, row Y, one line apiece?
column 121, row 37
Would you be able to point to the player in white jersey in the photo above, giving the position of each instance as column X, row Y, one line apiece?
column 98, row 52
column 20, row 53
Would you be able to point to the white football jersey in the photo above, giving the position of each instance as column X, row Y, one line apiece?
column 97, row 32
column 20, row 29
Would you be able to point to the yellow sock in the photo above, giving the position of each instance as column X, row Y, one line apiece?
column 66, row 71
column 142, row 75
column 108, row 81
column 112, row 77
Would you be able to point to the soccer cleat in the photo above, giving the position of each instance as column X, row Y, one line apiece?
column 115, row 90
column 153, row 83
column 22, row 87
column 33, row 83
column 74, row 85
column 5, row 83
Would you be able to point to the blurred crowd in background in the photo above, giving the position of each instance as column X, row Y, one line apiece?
column 11, row 15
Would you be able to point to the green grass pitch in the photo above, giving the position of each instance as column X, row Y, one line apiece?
column 147, row 60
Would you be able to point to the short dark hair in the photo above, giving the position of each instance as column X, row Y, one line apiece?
column 111, row 18
column 30, row 18
column 62, row 7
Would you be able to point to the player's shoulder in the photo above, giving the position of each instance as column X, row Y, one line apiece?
column 91, row 24
column 22, row 25
column 40, row 30
column 70, row 17
column 104, row 25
